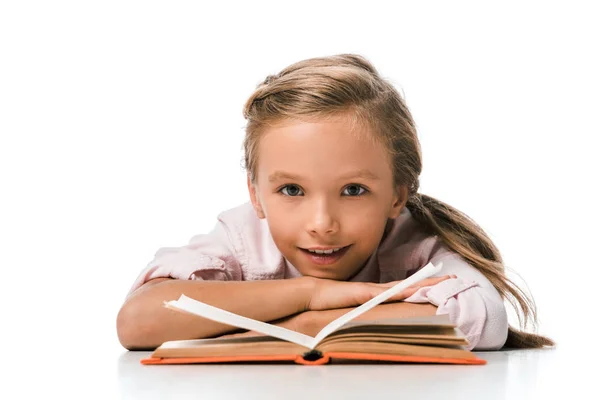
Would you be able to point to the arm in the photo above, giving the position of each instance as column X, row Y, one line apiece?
column 143, row 322
column 471, row 302
column 311, row 322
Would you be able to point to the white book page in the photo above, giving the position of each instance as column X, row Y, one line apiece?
column 219, row 315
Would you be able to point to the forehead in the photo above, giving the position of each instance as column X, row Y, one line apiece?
column 321, row 150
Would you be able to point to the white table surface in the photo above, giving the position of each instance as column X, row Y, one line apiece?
column 111, row 372
column 63, row 366
column 516, row 374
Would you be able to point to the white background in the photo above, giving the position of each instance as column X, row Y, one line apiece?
column 121, row 130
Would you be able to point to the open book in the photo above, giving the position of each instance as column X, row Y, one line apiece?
column 429, row 339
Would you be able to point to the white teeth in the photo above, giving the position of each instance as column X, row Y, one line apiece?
column 325, row 251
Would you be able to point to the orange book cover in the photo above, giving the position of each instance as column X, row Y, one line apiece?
column 326, row 358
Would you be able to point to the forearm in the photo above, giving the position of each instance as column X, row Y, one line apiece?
column 144, row 323
column 311, row 322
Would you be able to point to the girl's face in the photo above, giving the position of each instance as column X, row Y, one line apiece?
column 320, row 186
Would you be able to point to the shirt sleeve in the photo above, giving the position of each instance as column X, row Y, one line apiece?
column 206, row 257
column 471, row 301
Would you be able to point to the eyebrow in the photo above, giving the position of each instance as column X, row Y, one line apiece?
column 363, row 173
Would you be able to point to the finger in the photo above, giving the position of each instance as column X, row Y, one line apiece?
column 424, row 282
column 412, row 289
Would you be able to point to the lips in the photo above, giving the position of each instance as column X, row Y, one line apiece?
column 325, row 259
column 325, row 248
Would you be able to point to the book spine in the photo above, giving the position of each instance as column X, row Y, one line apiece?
column 313, row 357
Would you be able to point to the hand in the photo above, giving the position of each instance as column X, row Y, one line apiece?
column 329, row 294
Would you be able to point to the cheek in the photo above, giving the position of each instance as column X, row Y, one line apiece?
column 371, row 220
column 366, row 235
column 366, row 232
column 283, row 229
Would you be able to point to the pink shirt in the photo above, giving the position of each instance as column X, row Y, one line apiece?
column 240, row 248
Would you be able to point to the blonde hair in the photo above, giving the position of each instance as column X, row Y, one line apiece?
column 348, row 84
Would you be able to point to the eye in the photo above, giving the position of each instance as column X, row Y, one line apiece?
column 355, row 190
column 295, row 191
column 292, row 190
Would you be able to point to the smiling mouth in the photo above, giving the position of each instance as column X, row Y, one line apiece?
column 324, row 259
column 325, row 252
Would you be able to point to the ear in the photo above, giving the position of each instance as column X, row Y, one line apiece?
column 400, row 199
column 254, row 198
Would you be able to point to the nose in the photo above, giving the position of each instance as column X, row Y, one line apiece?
column 321, row 220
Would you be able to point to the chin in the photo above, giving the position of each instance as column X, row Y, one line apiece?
column 323, row 274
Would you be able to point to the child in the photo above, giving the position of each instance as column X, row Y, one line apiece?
column 335, row 218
